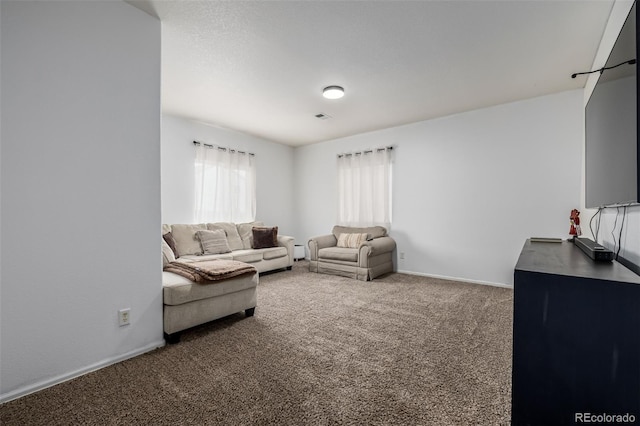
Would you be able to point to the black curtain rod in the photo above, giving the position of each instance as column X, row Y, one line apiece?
column 221, row 148
column 369, row 151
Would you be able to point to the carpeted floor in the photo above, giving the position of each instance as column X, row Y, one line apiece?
column 320, row 350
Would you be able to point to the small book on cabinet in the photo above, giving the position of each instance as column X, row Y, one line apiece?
column 545, row 240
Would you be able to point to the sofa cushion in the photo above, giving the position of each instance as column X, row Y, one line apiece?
column 338, row 253
column 213, row 242
column 247, row 256
column 246, row 233
column 231, row 231
column 186, row 240
column 373, row 231
column 351, row 240
column 264, row 237
column 198, row 258
column 273, row 253
column 177, row 290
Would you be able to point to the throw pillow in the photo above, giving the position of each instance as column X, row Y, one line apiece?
column 167, row 254
column 230, row 229
column 372, row 231
column 213, row 242
column 246, row 233
column 351, row 240
column 187, row 243
column 264, row 237
column 168, row 238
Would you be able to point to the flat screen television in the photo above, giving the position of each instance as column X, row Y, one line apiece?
column 612, row 154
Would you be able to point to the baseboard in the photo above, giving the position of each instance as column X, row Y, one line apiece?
column 26, row 390
column 464, row 280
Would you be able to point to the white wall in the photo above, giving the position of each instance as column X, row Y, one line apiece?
column 80, row 176
column 274, row 164
column 468, row 189
column 612, row 218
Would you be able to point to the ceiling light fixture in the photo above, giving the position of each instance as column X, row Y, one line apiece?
column 333, row 92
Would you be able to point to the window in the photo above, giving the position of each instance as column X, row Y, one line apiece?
column 225, row 185
column 364, row 188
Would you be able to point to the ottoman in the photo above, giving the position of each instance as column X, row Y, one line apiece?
column 187, row 304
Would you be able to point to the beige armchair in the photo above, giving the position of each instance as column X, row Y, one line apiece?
column 370, row 259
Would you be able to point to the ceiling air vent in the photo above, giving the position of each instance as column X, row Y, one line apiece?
column 322, row 116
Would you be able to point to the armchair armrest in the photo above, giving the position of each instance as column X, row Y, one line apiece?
column 317, row 243
column 380, row 245
column 375, row 247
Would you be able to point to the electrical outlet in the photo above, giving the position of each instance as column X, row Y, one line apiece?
column 401, row 255
column 124, row 316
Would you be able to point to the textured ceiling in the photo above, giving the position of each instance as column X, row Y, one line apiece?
column 259, row 67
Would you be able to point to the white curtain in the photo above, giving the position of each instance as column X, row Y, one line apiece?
column 364, row 188
column 225, row 185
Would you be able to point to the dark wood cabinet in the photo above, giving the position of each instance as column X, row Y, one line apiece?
column 576, row 337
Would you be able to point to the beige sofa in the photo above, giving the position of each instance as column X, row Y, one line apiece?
column 187, row 304
column 239, row 238
column 369, row 256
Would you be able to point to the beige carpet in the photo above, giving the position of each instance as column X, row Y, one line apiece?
column 320, row 350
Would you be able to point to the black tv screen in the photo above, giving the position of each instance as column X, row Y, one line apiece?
column 611, row 117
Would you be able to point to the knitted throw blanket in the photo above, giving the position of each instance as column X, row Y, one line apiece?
column 208, row 271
